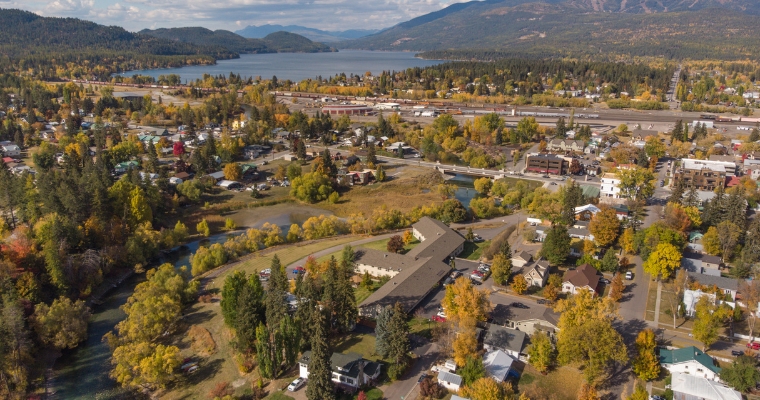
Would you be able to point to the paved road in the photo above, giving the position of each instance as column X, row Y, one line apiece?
column 407, row 387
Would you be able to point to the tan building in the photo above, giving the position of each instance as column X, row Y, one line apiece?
column 704, row 174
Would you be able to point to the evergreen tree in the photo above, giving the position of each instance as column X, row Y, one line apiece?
column 371, row 154
column 263, row 351
column 151, row 165
column 692, row 197
column 330, row 167
column 382, row 321
column 291, row 340
column 233, row 286
column 754, row 136
column 556, row 246
column 307, row 295
column 676, row 196
column 715, row 209
column 561, row 128
column 572, row 197
column 736, row 209
column 677, row 132
column 300, row 150
column 277, row 289
column 397, row 336
column 320, row 385
column 250, row 313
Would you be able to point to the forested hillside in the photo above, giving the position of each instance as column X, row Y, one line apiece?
column 488, row 30
column 276, row 42
column 76, row 48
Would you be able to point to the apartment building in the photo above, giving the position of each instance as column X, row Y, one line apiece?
column 705, row 174
column 610, row 186
column 547, row 164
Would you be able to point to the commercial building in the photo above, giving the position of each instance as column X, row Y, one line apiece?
column 546, row 164
column 705, row 174
column 347, row 109
column 414, row 274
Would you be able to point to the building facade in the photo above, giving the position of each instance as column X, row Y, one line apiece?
column 546, row 164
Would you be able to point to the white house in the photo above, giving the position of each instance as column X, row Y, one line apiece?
column 538, row 273
column 610, row 186
column 689, row 360
column 687, row 387
column 520, row 259
column 690, row 299
column 348, row 370
column 498, row 365
column 583, row 277
column 11, row 150
column 449, row 380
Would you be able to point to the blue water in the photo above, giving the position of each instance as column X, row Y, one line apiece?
column 299, row 66
column 465, row 188
column 82, row 374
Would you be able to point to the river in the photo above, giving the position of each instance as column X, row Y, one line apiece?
column 299, row 66
column 83, row 372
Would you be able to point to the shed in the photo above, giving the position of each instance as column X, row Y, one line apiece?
column 229, row 185
column 218, row 176
column 450, row 381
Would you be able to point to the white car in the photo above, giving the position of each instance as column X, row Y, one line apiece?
column 629, row 275
column 296, row 384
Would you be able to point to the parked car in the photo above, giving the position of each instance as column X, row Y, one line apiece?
column 754, row 345
column 542, row 301
column 455, row 274
column 478, row 239
column 517, row 304
column 421, row 378
column 737, row 353
column 604, row 281
column 299, row 270
column 629, row 275
column 448, row 281
column 296, row 384
column 437, row 318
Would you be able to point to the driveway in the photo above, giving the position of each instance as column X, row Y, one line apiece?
column 407, row 387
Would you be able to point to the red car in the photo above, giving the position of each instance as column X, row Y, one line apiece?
column 438, row 318
column 299, row 270
column 754, row 345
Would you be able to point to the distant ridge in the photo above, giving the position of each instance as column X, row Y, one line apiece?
column 256, row 32
column 276, row 42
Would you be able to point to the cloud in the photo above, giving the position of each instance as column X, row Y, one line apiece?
column 235, row 14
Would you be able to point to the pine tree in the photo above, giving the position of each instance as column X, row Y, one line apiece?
column 320, row 385
column 233, row 286
column 263, row 351
column 250, row 312
column 736, row 209
column 382, row 322
column 276, row 291
column 371, row 154
column 573, row 197
column 561, row 128
column 692, row 197
column 754, row 136
column 677, row 132
column 398, row 336
column 307, row 295
column 291, row 339
column 715, row 209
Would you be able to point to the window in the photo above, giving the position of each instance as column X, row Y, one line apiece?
column 349, row 381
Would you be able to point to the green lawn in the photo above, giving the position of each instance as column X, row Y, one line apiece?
column 473, row 251
column 421, row 326
column 278, row 395
column 382, row 245
column 360, row 343
column 362, row 293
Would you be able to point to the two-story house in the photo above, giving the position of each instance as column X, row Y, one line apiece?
column 537, row 273
column 350, row 371
column 583, row 277
column 689, row 360
column 565, row 145
column 610, row 186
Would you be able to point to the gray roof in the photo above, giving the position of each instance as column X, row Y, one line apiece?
column 409, row 286
column 719, row 281
column 703, row 257
column 455, row 379
column 440, row 240
column 524, row 255
column 643, row 133
column 387, row 260
column 503, row 338
column 498, row 364
column 128, row 94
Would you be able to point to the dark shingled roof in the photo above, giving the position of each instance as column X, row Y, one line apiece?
column 344, row 364
column 703, row 257
column 408, row 286
column 387, row 260
column 440, row 240
column 503, row 338
column 719, row 281
column 585, row 275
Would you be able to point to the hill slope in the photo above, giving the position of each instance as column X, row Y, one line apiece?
column 278, row 42
column 257, row 32
column 571, row 29
column 69, row 47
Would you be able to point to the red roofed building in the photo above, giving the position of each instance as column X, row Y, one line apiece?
column 7, row 160
column 732, row 181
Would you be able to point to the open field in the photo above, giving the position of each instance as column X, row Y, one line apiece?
column 473, row 251
column 407, row 188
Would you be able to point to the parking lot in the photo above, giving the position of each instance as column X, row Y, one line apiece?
column 430, row 304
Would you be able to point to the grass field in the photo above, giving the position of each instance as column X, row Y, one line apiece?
column 360, row 343
column 473, row 251
column 560, row 384
column 279, row 396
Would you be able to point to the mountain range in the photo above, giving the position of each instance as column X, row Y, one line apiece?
column 256, row 32
column 601, row 29
column 275, row 42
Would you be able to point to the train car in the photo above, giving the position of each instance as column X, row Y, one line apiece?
column 748, row 119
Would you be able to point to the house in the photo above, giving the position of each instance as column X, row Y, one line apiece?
column 585, row 213
column 610, row 186
column 689, row 360
column 520, row 259
column 641, row 135
column 565, row 145
column 125, row 166
column 499, row 365
column 580, row 230
column 701, row 263
column 349, row 371
column 538, row 273
column 621, row 211
column 450, row 380
column 691, row 387
column 415, row 274
column 690, row 299
column 546, row 322
column 583, row 277
column 217, row 176
column 10, row 150
column 510, row 341
column 729, row 286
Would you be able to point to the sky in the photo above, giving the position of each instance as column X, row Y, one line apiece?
column 232, row 15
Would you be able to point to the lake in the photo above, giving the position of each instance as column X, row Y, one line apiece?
column 299, row 66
